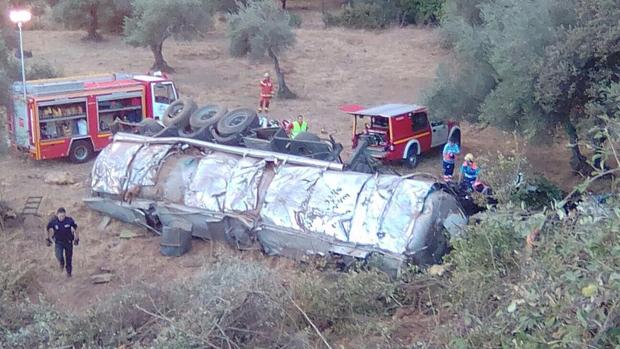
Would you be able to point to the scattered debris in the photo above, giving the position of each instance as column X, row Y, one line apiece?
column 59, row 178
column 128, row 234
column 104, row 223
column 101, row 278
column 106, row 268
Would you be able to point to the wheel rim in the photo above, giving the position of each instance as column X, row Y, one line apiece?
column 176, row 110
column 207, row 116
column 80, row 152
column 236, row 121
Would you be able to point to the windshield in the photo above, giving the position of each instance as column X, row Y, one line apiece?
column 164, row 93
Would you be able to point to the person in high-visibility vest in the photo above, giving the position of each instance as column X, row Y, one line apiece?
column 266, row 92
column 450, row 151
column 469, row 173
column 298, row 126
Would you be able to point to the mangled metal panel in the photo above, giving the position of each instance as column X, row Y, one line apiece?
column 145, row 164
column 225, row 183
column 287, row 196
column 110, row 169
column 207, row 189
column 332, row 203
column 242, row 188
column 122, row 165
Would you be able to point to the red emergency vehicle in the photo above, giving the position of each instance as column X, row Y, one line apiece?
column 71, row 117
column 399, row 132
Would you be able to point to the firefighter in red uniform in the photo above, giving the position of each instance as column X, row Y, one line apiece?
column 266, row 92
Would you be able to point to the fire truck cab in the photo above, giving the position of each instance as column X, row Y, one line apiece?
column 399, row 132
column 71, row 117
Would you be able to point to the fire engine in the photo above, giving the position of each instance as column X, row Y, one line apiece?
column 399, row 132
column 71, row 117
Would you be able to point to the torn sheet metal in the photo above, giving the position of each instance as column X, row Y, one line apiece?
column 110, row 169
column 207, row 189
column 332, row 203
column 145, row 164
column 285, row 202
column 242, row 186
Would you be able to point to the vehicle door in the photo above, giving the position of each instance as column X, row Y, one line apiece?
column 163, row 94
column 440, row 133
column 20, row 124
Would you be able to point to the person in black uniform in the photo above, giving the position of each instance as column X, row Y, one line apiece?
column 64, row 232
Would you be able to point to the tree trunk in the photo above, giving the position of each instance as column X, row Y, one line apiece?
column 283, row 90
column 93, row 25
column 160, row 63
column 578, row 162
column 283, row 4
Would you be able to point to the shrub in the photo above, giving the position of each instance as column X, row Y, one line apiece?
column 367, row 14
column 295, row 20
column 40, row 69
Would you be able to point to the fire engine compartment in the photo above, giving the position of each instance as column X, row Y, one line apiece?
column 291, row 208
column 60, row 112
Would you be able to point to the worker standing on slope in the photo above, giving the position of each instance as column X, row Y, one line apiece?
column 266, row 92
column 298, row 126
column 64, row 232
column 469, row 173
column 450, row 152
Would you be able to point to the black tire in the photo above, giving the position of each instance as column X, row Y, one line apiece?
column 234, row 139
column 206, row 116
column 179, row 112
column 237, row 121
column 412, row 159
column 81, row 151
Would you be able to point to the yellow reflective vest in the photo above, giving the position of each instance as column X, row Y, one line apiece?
column 299, row 128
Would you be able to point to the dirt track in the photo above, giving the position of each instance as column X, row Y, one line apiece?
column 327, row 68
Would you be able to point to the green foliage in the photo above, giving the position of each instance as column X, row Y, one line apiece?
column 92, row 15
column 345, row 299
column 368, row 14
column 538, row 193
column 259, row 27
column 295, row 20
column 155, row 21
column 564, row 294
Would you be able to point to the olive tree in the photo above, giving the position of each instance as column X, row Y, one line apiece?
column 153, row 22
column 92, row 15
column 260, row 28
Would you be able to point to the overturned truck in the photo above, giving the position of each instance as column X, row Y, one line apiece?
column 288, row 205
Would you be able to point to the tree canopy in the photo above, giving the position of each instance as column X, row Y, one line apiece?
column 93, row 15
column 261, row 28
column 153, row 22
column 529, row 66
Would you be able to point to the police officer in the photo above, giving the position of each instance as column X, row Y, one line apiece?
column 64, row 232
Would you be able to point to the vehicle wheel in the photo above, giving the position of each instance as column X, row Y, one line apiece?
column 234, row 139
column 305, row 145
column 179, row 112
column 237, row 121
column 206, row 116
column 80, row 151
column 412, row 157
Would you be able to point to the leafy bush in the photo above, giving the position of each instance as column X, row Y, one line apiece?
column 295, row 20
column 564, row 293
column 367, row 14
column 40, row 69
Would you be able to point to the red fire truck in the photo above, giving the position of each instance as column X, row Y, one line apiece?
column 399, row 132
column 71, row 117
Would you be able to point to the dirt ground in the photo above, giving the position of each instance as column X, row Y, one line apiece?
column 327, row 68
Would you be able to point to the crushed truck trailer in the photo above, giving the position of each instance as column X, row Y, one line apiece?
column 289, row 205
